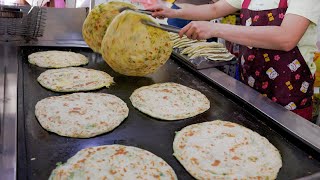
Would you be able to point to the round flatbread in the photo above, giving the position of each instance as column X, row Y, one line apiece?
column 169, row 101
column 225, row 150
column 81, row 115
column 114, row 162
column 98, row 20
column 132, row 48
column 74, row 79
column 57, row 59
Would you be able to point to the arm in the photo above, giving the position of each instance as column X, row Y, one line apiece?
column 284, row 37
column 185, row 5
column 201, row 12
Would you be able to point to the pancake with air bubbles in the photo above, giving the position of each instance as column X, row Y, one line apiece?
column 74, row 79
column 57, row 59
column 114, row 162
column 81, row 115
column 169, row 101
column 225, row 150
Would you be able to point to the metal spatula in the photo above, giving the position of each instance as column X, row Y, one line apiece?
column 136, row 10
column 161, row 26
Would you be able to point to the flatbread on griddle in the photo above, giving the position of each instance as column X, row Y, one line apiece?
column 81, row 115
column 225, row 150
column 74, row 79
column 57, row 59
column 114, row 162
column 169, row 101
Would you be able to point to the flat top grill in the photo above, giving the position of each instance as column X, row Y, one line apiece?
column 40, row 150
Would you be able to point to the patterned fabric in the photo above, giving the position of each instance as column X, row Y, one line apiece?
column 282, row 76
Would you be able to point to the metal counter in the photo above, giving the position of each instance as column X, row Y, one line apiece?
column 8, row 111
column 30, row 152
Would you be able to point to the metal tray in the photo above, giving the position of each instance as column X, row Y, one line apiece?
column 40, row 150
column 201, row 62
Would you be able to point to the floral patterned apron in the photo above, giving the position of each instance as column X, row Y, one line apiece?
column 282, row 76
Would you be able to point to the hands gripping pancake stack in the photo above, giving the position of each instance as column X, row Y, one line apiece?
column 98, row 20
column 128, row 46
column 169, row 101
column 132, row 48
column 225, row 150
column 81, row 115
column 114, row 162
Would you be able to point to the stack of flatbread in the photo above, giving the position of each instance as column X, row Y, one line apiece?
column 132, row 48
column 195, row 48
column 211, row 50
column 182, row 42
column 98, row 21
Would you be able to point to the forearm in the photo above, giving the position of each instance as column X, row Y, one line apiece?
column 266, row 37
column 205, row 12
column 198, row 13
column 284, row 37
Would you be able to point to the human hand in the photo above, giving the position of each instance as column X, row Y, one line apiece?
column 161, row 11
column 198, row 30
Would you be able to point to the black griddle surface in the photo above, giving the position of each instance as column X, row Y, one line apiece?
column 40, row 150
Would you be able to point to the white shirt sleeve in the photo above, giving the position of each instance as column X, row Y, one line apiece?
column 309, row 9
column 235, row 3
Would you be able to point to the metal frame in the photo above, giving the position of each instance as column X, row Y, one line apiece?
column 8, row 105
column 292, row 123
column 312, row 177
column 27, row 23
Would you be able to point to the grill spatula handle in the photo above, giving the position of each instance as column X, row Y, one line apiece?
column 161, row 26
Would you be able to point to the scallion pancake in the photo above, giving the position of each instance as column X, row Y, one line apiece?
column 74, row 79
column 226, row 150
column 114, row 162
column 81, row 115
column 169, row 101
